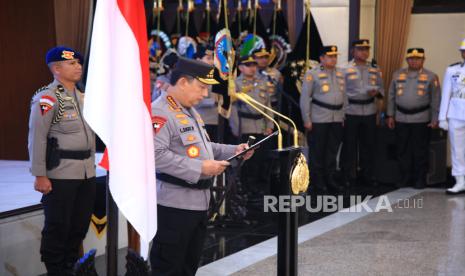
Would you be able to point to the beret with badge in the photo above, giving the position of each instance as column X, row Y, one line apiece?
column 62, row 53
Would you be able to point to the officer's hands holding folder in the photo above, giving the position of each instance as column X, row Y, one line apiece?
column 243, row 151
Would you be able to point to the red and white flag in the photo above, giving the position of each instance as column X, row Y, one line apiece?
column 117, row 107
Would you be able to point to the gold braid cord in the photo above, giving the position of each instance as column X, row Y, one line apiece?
column 61, row 104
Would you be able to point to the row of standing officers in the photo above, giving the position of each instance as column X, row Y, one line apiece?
column 339, row 106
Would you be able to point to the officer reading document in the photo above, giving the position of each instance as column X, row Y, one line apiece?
column 186, row 162
column 61, row 151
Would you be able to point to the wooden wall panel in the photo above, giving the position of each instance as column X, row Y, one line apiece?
column 27, row 31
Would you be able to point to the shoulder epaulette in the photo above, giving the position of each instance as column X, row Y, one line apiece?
column 453, row 64
column 40, row 90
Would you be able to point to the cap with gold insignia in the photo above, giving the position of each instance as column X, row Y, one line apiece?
column 261, row 53
column 197, row 69
column 246, row 60
column 330, row 50
column 361, row 43
column 62, row 53
column 462, row 45
column 416, row 52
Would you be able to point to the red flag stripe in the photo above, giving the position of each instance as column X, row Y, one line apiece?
column 135, row 17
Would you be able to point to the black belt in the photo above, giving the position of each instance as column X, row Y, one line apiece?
column 202, row 184
column 415, row 110
column 326, row 105
column 74, row 154
column 362, row 102
column 249, row 116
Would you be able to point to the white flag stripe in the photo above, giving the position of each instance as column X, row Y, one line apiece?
column 116, row 110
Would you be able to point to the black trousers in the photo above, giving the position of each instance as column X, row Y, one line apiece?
column 255, row 173
column 359, row 141
column 324, row 140
column 412, row 151
column 178, row 244
column 67, row 210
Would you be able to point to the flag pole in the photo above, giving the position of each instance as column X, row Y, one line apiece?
column 112, row 232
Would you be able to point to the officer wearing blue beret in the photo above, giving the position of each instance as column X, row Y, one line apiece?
column 61, row 152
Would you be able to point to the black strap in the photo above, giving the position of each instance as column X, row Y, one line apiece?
column 362, row 102
column 249, row 115
column 202, row 184
column 410, row 111
column 326, row 105
column 74, row 154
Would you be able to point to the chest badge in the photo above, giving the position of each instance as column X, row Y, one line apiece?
column 325, row 88
column 193, row 151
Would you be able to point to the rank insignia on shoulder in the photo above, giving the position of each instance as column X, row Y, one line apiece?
column 322, row 76
column 402, row 77
column 158, row 122
column 309, row 77
column 46, row 104
column 172, row 102
column 193, row 151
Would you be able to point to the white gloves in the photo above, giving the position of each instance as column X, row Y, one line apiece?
column 444, row 125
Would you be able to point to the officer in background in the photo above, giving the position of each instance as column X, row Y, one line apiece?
column 363, row 85
column 208, row 107
column 413, row 108
column 452, row 118
column 186, row 163
column 322, row 106
column 246, row 121
column 272, row 75
column 61, row 152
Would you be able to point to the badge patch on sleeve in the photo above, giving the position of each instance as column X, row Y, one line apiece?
column 46, row 104
column 193, row 151
column 158, row 122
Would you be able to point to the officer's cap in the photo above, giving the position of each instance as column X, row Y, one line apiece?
column 462, row 45
column 62, row 53
column 416, row 52
column 261, row 53
column 245, row 60
column 194, row 68
column 361, row 43
column 204, row 50
column 330, row 50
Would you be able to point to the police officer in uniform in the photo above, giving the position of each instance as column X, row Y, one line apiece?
column 272, row 75
column 208, row 107
column 322, row 105
column 363, row 85
column 413, row 108
column 245, row 121
column 61, row 152
column 452, row 118
column 186, row 163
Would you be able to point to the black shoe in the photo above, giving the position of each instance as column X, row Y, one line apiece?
column 419, row 185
